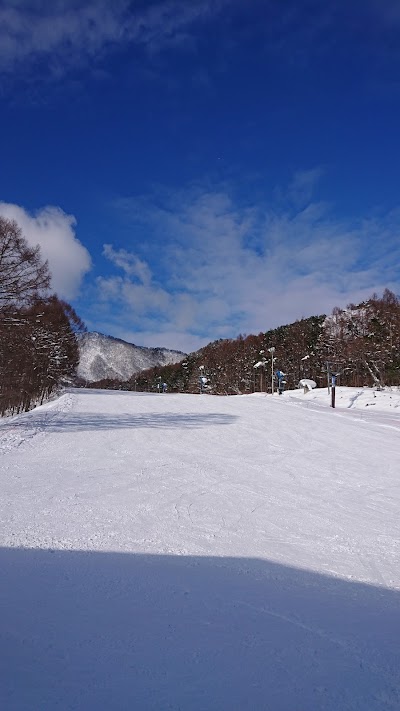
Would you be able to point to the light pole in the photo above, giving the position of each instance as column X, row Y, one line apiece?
column 272, row 351
column 201, row 378
column 328, row 375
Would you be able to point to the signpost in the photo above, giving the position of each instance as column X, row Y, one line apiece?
column 280, row 376
column 333, row 370
column 333, row 393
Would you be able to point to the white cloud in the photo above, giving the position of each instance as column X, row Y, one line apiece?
column 53, row 230
column 229, row 269
column 144, row 300
column 129, row 263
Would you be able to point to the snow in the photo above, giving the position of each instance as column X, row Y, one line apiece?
column 307, row 383
column 107, row 357
column 165, row 551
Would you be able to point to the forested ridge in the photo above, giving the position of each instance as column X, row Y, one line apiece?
column 38, row 345
column 360, row 343
column 39, row 348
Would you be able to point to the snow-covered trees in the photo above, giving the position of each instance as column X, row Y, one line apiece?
column 38, row 350
column 38, row 347
column 361, row 342
column 365, row 339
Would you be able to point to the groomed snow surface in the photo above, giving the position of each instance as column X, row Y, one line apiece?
column 185, row 552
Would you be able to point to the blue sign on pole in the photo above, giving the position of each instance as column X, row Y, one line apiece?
column 280, row 377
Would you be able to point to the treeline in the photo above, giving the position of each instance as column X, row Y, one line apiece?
column 38, row 344
column 361, row 343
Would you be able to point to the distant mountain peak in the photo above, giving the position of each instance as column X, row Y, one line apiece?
column 102, row 356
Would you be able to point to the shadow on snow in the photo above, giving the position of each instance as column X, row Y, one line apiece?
column 98, row 631
column 74, row 421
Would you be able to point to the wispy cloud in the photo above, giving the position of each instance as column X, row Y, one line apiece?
column 42, row 41
column 301, row 189
column 130, row 264
column 214, row 269
column 70, row 33
column 53, row 230
column 67, row 31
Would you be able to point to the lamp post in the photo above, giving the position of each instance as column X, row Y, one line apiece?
column 272, row 351
column 328, row 375
column 201, row 378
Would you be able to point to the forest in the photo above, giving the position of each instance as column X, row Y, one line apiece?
column 359, row 344
column 38, row 331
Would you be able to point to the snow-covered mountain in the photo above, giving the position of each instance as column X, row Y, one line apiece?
column 107, row 357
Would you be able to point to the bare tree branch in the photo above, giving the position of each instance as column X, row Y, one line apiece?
column 23, row 274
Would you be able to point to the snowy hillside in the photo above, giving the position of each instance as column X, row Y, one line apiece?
column 201, row 553
column 106, row 357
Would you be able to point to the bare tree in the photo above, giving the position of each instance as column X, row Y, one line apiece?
column 23, row 274
column 38, row 344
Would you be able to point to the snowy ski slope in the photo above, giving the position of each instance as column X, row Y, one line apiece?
column 202, row 553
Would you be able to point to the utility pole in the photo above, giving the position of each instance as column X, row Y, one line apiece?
column 272, row 351
column 328, row 374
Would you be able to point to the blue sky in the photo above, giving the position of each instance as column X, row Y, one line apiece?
column 202, row 168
